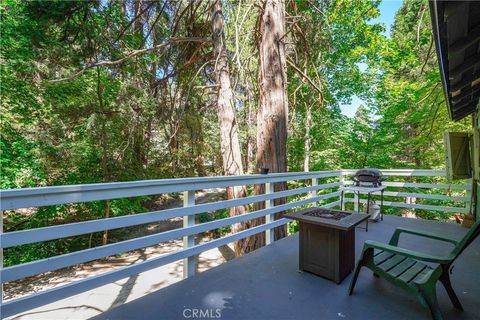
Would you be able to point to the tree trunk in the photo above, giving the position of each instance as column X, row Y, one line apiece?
column 272, row 114
column 308, row 121
column 104, row 142
column 250, row 135
column 107, row 215
column 105, row 176
column 138, row 23
column 229, row 142
column 411, row 213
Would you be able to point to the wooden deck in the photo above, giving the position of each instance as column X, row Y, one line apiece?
column 266, row 284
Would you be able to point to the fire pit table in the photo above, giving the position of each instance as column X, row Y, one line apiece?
column 327, row 241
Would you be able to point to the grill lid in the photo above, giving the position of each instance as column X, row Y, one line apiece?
column 370, row 176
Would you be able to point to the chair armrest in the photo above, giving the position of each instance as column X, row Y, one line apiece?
column 406, row 252
column 396, row 235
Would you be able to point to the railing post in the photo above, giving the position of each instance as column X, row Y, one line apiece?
column 189, row 264
column 314, row 193
column 342, row 181
column 269, row 233
column 355, row 201
column 468, row 195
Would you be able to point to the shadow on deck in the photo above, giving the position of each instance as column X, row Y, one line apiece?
column 266, row 284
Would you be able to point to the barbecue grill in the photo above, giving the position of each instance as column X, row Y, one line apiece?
column 368, row 177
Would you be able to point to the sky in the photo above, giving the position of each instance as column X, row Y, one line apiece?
column 387, row 8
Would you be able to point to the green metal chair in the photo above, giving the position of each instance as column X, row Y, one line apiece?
column 406, row 268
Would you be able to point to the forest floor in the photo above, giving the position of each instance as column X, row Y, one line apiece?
column 98, row 300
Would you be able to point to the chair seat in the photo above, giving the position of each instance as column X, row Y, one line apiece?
column 402, row 268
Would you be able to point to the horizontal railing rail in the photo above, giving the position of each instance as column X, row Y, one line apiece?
column 16, row 238
column 38, row 299
column 424, row 185
column 50, row 264
column 404, row 172
column 463, row 200
column 45, row 196
column 418, row 206
column 59, row 195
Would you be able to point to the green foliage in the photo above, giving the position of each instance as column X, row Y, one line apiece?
column 408, row 97
column 154, row 116
column 216, row 215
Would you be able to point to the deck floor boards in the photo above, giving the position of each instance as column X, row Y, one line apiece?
column 266, row 284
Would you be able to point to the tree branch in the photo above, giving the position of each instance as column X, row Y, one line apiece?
column 420, row 22
column 132, row 21
column 305, row 77
column 429, row 94
column 132, row 54
column 428, row 56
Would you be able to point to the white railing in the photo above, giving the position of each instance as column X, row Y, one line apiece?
column 45, row 196
column 463, row 199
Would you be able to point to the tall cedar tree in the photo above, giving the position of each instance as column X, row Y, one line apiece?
column 272, row 114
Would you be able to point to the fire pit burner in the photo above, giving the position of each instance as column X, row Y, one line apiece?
column 327, row 214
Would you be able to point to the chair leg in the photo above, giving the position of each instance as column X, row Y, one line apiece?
column 354, row 278
column 429, row 294
column 445, row 280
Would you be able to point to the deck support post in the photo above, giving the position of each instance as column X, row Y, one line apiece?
column 189, row 264
column 269, row 233
column 314, row 193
